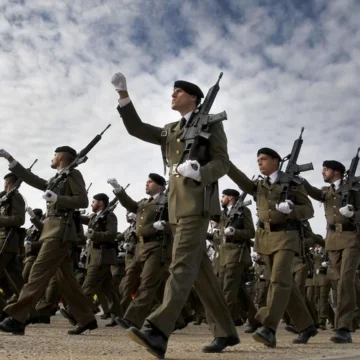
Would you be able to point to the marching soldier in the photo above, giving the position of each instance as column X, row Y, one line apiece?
column 12, row 216
column 342, row 243
column 234, row 253
column 153, row 252
column 101, row 255
column 278, row 237
column 190, row 185
column 54, row 257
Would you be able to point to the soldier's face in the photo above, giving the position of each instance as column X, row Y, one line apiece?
column 182, row 100
column 267, row 164
column 55, row 161
column 152, row 188
column 225, row 200
column 330, row 175
column 96, row 205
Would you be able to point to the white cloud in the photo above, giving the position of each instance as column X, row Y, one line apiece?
column 282, row 70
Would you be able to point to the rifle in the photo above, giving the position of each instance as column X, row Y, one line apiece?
column 293, row 169
column 80, row 158
column 5, row 198
column 87, row 190
column 162, row 215
column 350, row 183
column 197, row 130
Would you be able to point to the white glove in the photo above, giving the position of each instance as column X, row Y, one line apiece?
column 119, row 82
column 27, row 244
column 347, row 211
column 131, row 216
column 127, row 246
column 29, row 210
column 324, row 264
column 159, row 225
column 190, row 169
column 87, row 241
column 113, row 182
column 4, row 154
column 229, row 231
column 49, row 196
column 285, row 207
column 89, row 233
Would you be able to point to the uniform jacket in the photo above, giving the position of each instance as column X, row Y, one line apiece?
column 71, row 196
column 266, row 197
column 186, row 198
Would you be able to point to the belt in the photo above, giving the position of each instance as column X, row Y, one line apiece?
column 104, row 246
column 233, row 241
column 341, row 227
column 146, row 239
column 279, row 227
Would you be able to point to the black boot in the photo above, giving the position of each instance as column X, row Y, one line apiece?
column 105, row 316
column 41, row 319
column 265, row 336
column 220, row 343
column 92, row 325
column 152, row 339
column 124, row 323
column 342, row 336
column 252, row 328
column 11, row 325
column 305, row 335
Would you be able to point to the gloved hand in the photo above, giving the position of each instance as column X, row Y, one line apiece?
column 229, row 231
column 49, row 196
column 89, row 233
column 113, row 182
column 324, row 264
column 27, row 244
column 127, row 246
column 159, row 225
column 30, row 211
column 347, row 211
column 285, row 207
column 190, row 169
column 119, row 82
column 4, row 154
column 131, row 216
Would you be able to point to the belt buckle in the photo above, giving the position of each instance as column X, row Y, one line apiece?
column 224, row 239
column 267, row 226
column 338, row 227
column 173, row 170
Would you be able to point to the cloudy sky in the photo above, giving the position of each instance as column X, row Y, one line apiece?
column 286, row 64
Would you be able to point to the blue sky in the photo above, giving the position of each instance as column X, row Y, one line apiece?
column 286, row 64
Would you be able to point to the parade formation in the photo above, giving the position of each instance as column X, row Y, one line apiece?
column 192, row 252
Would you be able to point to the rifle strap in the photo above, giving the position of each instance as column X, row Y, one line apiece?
column 164, row 135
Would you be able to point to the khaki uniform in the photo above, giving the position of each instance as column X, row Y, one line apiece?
column 343, row 246
column 262, row 283
column 54, row 257
column 189, row 218
column 278, row 239
column 152, row 257
column 101, row 255
column 12, row 215
column 234, row 260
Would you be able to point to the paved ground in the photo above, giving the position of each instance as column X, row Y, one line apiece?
column 51, row 342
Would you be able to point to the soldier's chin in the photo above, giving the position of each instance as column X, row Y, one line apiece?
column 53, row 166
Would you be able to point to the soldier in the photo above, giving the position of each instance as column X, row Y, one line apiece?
column 189, row 219
column 342, row 243
column 12, row 216
column 54, row 257
column 277, row 237
column 235, row 254
column 101, row 233
column 153, row 252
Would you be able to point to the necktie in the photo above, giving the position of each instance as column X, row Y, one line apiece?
column 151, row 198
column 267, row 180
column 332, row 187
column 225, row 211
column 182, row 122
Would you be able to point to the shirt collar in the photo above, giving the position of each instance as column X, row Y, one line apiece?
column 336, row 183
column 155, row 196
column 273, row 177
column 187, row 116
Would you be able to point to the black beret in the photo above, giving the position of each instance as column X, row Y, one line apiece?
column 38, row 212
column 334, row 165
column 10, row 175
column 102, row 197
column 272, row 153
column 231, row 192
column 188, row 87
column 157, row 178
column 66, row 149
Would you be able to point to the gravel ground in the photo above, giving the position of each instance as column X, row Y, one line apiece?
column 52, row 342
